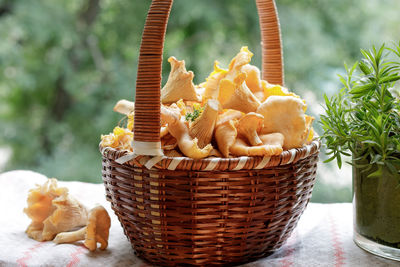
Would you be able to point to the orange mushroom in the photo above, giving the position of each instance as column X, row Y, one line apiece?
column 96, row 231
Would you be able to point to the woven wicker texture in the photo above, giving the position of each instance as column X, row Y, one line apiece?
column 148, row 83
column 208, row 218
column 272, row 63
column 220, row 164
column 219, row 211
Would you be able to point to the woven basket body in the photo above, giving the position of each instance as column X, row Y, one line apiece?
column 205, row 212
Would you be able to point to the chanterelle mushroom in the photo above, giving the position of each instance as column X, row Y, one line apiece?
column 236, row 95
column 179, row 130
column 124, row 107
column 250, row 126
column 212, row 82
column 253, row 81
column 241, row 59
column 203, row 127
column 285, row 114
column 225, row 135
column 96, row 230
column 53, row 211
column 278, row 90
column 271, row 146
column 180, row 84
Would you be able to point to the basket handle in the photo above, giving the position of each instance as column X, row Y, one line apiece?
column 148, row 83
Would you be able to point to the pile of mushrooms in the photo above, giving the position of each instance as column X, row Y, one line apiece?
column 56, row 215
column 233, row 113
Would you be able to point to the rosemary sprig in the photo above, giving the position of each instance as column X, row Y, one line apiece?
column 363, row 117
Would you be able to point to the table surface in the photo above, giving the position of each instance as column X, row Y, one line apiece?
column 323, row 236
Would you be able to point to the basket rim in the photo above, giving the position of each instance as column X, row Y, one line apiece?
column 290, row 156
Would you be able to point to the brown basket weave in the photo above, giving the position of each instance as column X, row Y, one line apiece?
column 220, row 211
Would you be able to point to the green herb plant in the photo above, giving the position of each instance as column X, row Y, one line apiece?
column 194, row 115
column 363, row 118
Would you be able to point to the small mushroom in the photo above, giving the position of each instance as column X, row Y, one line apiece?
column 271, row 146
column 124, row 107
column 68, row 215
column 179, row 85
column 253, row 81
column 241, row 59
column 212, row 82
column 96, row 230
column 225, row 135
column 285, row 114
column 120, row 138
column 236, row 95
column 203, row 127
column 52, row 211
column 250, row 126
column 179, row 130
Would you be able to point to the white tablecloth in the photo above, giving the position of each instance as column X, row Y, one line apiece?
column 323, row 236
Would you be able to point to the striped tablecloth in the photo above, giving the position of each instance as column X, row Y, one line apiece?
column 323, row 236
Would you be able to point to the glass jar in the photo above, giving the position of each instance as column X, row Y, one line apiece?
column 376, row 204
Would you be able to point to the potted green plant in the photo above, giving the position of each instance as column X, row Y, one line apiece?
column 363, row 121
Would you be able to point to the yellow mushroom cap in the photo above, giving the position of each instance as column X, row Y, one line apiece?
column 278, row 90
column 236, row 95
column 124, row 107
column 96, row 231
column 225, row 135
column 241, row 59
column 180, row 84
column 253, row 81
column 52, row 211
column 285, row 115
column 271, row 146
column 212, row 82
column 249, row 126
column 98, row 228
column 309, row 128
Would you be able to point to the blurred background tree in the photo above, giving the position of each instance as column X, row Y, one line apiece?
column 64, row 64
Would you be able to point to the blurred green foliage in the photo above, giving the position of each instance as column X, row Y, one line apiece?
column 64, row 64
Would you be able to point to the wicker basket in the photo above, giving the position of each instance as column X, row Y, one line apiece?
column 180, row 211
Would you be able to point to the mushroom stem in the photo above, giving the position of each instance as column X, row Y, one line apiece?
column 96, row 230
column 203, row 127
column 70, row 237
column 250, row 126
column 225, row 135
column 254, row 139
